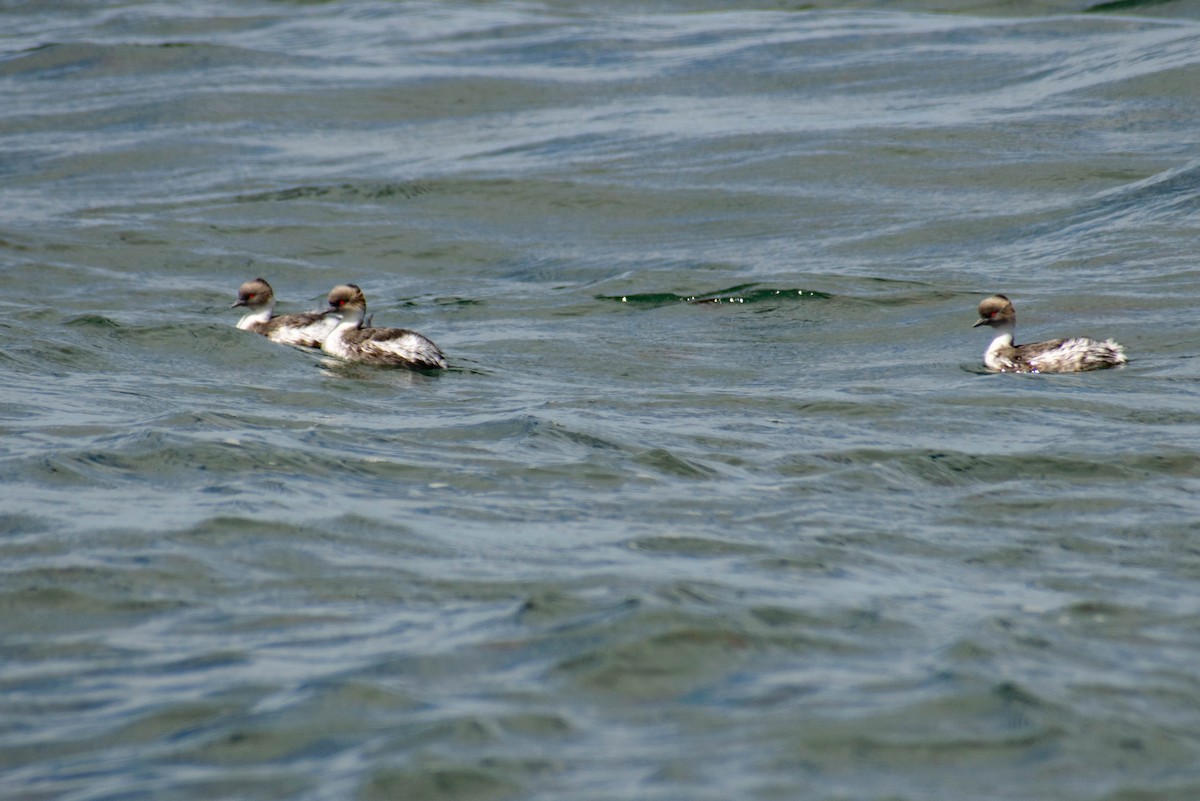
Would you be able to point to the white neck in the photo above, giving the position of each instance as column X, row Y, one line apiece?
column 346, row 324
column 1004, row 331
column 333, row 342
column 259, row 317
column 1002, row 340
column 351, row 318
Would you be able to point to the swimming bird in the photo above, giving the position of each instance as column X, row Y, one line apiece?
column 393, row 347
column 307, row 329
column 1072, row 355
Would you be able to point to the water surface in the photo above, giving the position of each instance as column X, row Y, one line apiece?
column 716, row 500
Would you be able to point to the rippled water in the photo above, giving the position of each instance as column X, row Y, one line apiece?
column 716, row 500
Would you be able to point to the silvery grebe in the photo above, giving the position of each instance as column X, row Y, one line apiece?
column 394, row 347
column 1054, row 356
column 307, row 329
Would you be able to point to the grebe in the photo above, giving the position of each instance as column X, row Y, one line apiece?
column 307, row 329
column 395, row 347
column 1054, row 356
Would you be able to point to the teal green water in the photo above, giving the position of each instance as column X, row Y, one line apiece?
column 716, row 500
